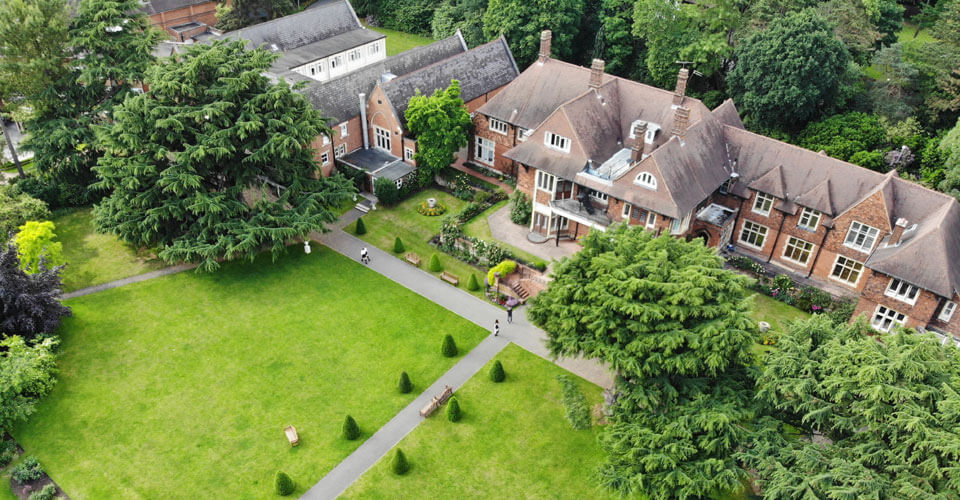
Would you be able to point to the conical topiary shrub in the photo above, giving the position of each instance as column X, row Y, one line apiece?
column 398, row 246
column 399, row 464
column 496, row 372
column 435, row 264
column 350, row 429
column 472, row 284
column 404, row 385
column 360, row 228
column 449, row 347
column 284, row 484
column 453, row 410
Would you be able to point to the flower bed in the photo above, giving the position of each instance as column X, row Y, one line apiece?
column 437, row 209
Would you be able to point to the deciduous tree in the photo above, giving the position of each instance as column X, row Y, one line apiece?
column 16, row 209
column 522, row 21
column 441, row 124
column 27, row 373
column 36, row 248
column 29, row 303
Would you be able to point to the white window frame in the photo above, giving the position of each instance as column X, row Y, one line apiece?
column 383, row 140
column 556, row 142
column 374, row 48
column 860, row 230
column 651, row 220
column 498, row 126
column 523, row 134
column 796, row 245
column 407, row 153
column 760, row 231
column 849, row 265
column 545, row 181
column 597, row 195
column 763, row 203
column 647, row 180
column 807, row 216
column 341, row 150
column 343, row 130
column 947, row 312
column 336, row 62
column 326, row 140
column 482, row 147
column 902, row 291
column 884, row 318
column 324, row 158
column 354, row 55
column 626, row 211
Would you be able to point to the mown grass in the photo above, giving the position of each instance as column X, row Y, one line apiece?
column 398, row 41
column 479, row 227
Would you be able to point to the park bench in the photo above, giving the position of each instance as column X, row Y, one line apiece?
column 292, row 435
column 413, row 259
column 450, row 278
column 436, row 402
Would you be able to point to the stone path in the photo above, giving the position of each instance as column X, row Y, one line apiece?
column 126, row 281
column 503, row 229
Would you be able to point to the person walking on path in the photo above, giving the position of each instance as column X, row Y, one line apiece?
column 364, row 256
column 496, row 327
column 509, row 314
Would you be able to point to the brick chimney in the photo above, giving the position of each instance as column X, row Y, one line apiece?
column 681, row 91
column 898, row 230
column 637, row 146
column 681, row 117
column 545, row 38
column 596, row 74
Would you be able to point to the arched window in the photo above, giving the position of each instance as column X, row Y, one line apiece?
column 647, row 180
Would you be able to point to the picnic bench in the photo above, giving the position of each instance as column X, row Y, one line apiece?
column 413, row 259
column 436, row 402
column 450, row 278
column 292, row 435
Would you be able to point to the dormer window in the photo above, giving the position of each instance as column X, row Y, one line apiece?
column 558, row 142
column 763, row 204
column 498, row 126
column 809, row 219
column 647, row 180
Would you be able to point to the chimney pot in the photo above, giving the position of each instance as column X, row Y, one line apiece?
column 637, row 146
column 682, row 76
column 596, row 74
column 545, row 38
column 898, row 230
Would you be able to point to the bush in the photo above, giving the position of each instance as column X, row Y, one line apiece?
column 284, row 485
column 399, row 464
column 504, row 268
column 539, row 266
column 496, row 372
column 481, row 197
column 454, row 414
column 28, row 470
column 472, row 283
column 16, row 208
column 578, row 412
column 842, row 311
column 435, row 264
column 386, row 191
column 350, row 429
column 398, row 246
column 449, row 347
column 520, row 208
column 499, row 194
column 48, row 492
column 404, row 385
column 360, row 227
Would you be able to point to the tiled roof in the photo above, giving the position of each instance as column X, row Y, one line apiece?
column 296, row 30
column 322, row 48
column 157, row 6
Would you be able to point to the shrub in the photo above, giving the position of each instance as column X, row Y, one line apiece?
column 360, row 227
column 504, row 268
column 496, row 372
column 499, row 194
column 8, row 451
column 454, row 414
column 404, row 385
column 842, row 311
column 481, row 197
column 398, row 246
column 435, row 264
column 48, row 492
column 284, row 485
column 539, row 265
column 578, row 412
column 437, row 209
column 449, row 347
column 386, row 191
column 521, row 209
column 399, row 464
column 472, row 283
column 28, row 470
column 350, row 429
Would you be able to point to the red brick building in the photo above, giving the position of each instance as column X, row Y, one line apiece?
column 182, row 19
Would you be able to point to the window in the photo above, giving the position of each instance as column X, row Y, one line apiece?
column 545, row 180
column 885, row 319
column 861, row 236
column 326, row 139
column 797, row 250
column 725, row 187
column 408, row 154
column 484, row 150
column 383, row 138
column 626, row 211
column 901, row 290
column 540, row 221
column 847, row 270
column 762, row 204
column 947, row 312
column 558, row 221
column 647, row 180
column 313, row 70
column 675, row 226
column 498, row 126
column 374, row 49
column 324, row 158
column 523, row 134
column 343, row 130
column 597, row 195
column 335, row 62
column 557, row 142
column 809, row 219
column 753, row 234
column 651, row 220
column 400, row 183
column 354, row 55
column 341, row 150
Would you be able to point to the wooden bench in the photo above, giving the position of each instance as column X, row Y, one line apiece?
column 450, row 278
column 292, row 435
column 436, row 402
column 413, row 259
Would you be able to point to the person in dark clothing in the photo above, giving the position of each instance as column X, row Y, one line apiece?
column 496, row 327
column 509, row 314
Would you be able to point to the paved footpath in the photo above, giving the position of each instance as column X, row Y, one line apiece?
column 126, row 281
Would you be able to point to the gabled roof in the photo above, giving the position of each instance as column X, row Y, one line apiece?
column 479, row 70
column 771, row 183
column 157, row 6
column 818, row 196
column 296, row 30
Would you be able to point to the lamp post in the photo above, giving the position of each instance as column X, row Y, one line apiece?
column 496, row 277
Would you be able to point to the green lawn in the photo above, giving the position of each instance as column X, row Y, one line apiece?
column 398, row 41
column 385, row 224
column 775, row 312
column 909, row 38
column 94, row 258
column 480, row 228
column 180, row 387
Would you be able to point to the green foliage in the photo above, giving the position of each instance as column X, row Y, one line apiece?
column 790, row 72
column 359, row 228
column 463, row 15
column 48, row 492
column 27, row 470
column 283, row 485
column 350, row 430
column 409, row 16
column 441, row 124
column 842, row 136
column 575, row 404
column 496, row 372
column 404, row 385
column 894, row 92
column 398, row 246
column 34, row 36
column 624, row 52
column 454, row 414
column 435, row 265
column 36, row 248
column 399, row 464
column 520, row 208
column 16, row 208
column 869, row 159
column 521, row 22
column 473, row 284
column 179, row 159
column 240, row 13
column 26, row 374
column 504, row 268
column 949, row 151
column 386, row 190
column 841, row 311
column 29, row 303
column 449, row 347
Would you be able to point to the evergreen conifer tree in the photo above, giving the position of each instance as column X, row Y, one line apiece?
column 350, row 429
column 360, row 228
column 454, row 414
column 472, row 283
column 283, row 484
column 449, row 347
column 404, row 385
column 398, row 246
column 399, row 464
column 496, row 372
column 435, row 265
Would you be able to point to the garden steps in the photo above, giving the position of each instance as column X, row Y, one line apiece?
column 520, row 291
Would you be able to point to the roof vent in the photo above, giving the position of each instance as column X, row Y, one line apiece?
column 386, row 77
column 274, row 47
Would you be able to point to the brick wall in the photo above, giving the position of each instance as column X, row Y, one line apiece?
column 204, row 13
column 380, row 113
column 502, row 144
column 920, row 314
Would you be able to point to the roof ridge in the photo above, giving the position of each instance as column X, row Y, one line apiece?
column 441, row 61
column 304, row 11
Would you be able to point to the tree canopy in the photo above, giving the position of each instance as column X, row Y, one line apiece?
column 16, row 209
column 36, row 247
column 27, row 373
column 192, row 164
column 522, row 22
column 29, row 303
column 441, row 124
column 237, row 14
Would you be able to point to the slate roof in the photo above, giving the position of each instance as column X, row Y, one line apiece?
column 322, row 48
column 296, row 30
column 157, row 6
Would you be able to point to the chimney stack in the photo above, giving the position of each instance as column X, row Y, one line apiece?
column 596, row 74
column 681, row 91
column 637, row 146
column 898, row 230
column 545, row 37
column 681, row 117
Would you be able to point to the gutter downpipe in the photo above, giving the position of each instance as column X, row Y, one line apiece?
column 819, row 249
column 363, row 120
